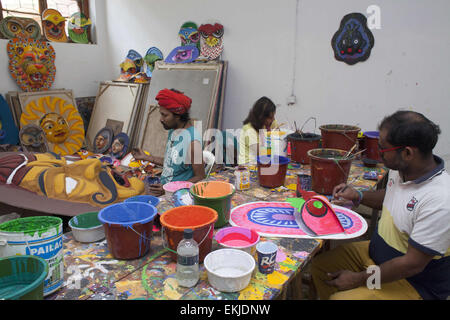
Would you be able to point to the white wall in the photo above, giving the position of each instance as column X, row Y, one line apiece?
column 79, row 67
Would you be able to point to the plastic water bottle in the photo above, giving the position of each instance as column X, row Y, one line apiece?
column 187, row 263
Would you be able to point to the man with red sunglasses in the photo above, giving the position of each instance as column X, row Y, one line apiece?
column 410, row 250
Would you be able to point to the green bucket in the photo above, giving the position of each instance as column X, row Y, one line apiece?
column 215, row 195
column 22, row 278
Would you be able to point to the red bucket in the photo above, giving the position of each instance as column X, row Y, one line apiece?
column 371, row 145
column 301, row 144
column 272, row 171
column 339, row 136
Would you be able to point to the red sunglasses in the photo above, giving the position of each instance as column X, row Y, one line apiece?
column 389, row 149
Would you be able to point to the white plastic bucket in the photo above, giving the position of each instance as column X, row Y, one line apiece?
column 40, row 236
column 275, row 144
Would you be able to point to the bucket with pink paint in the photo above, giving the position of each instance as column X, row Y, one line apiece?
column 238, row 238
column 174, row 186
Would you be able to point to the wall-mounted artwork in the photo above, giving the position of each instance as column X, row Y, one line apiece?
column 183, row 54
column 211, row 40
column 32, row 139
column 78, row 28
column 54, row 25
column 31, row 63
column 103, row 140
column 153, row 54
column 18, row 27
column 56, row 114
column 189, row 35
column 353, row 42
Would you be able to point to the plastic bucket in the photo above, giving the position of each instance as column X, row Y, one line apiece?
column 238, row 238
column 339, row 136
column 275, row 143
column 215, row 195
column 36, row 236
column 371, row 145
column 128, row 228
column 87, row 228
column 301, row 144
column 198, row 218
column 22, row 278
column 154, row 201
column 328, row 169
column 272, row 171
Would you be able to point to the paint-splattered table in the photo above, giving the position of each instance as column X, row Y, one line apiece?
column 91, row 272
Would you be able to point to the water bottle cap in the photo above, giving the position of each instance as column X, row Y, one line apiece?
column 188, row 233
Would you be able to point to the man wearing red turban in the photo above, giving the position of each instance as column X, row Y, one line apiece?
column 183, row 160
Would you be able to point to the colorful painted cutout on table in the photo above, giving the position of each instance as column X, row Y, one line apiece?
column 129, row 161
column 9, row 134
column 189, row 35
column 131, row 66
column 182, row 197
column 32, row 139
column 78, row 27
column 177, row 185
column 84, row 154
column 103, row 140
column 276, row 219
column 31, row 63
column 211, row 40
column 183, row 54
column 60, row 120
column 317, row 217
column 18, row 27
column 153, row 54
column 119, row 146
column 353, row 42
column 54, row 25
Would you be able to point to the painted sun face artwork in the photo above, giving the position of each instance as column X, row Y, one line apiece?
column 78, row 27
column 130, row 66
column 353, row 42
column 153, row 54
column 184, row 54
column 32, row 139
column 16, row 27
column 189, row 34
column 60, row 121
column 211, row 40
column 54, row 25
column 31, row 63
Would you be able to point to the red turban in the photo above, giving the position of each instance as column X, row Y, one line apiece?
column 175, row 102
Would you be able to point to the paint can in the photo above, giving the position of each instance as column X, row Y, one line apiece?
column 242, row 181
column 304, row 182
column 36, row 236
column 275, row 143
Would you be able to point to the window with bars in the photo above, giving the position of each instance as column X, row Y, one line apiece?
column 33, row 8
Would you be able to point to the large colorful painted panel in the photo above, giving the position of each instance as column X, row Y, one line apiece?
column 18, row 27
column 276, row 219
column 31, row 63
column 54, row 25
column 353, row 42
column 60, row 120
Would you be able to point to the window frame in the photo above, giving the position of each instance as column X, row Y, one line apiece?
column 83, row 6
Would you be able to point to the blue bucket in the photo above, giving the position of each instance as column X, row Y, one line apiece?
column 128, row 228
column 154, row 201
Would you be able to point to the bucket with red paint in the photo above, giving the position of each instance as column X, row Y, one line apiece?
column 128, row 228
column 198, row 218
column 339, row 136
column 329, row 167
column 272, row 170
column 371, row 145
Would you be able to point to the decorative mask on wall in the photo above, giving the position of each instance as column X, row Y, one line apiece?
column 211, row 42
column 103, row 140
column 31, row 63
column 120, row 144
column 54, row 25
column 130, row 66
column 16, row 27
column 60, row 121
column 189, row 34
column 153, row 54
column 353, row 42
column 32, row 139
column 78, row 27
column 183, row 54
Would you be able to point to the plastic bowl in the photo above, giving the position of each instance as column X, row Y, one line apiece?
column 87, row 228
column 229, row 270
column 238, row 238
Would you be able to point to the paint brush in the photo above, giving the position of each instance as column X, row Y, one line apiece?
column 350, row 151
